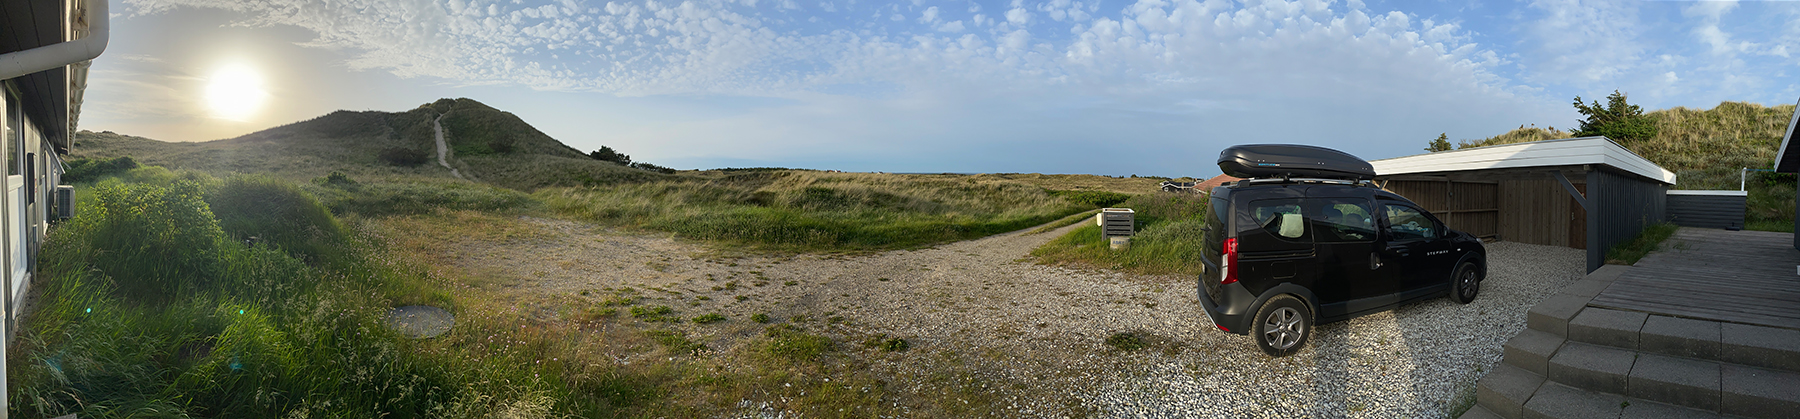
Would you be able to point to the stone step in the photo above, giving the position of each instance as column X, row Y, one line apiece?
column 1593, row 367
column 1505, row 389
column 1531, row 350
column 1759, row 346
column 1608, row 327
column 1557, row 401
column 1478, row 412
column 1553, row 314
column 1758, row 392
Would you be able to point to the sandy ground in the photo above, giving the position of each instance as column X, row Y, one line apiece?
column 1040, row 330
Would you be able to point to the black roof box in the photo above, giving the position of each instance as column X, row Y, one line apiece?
column 1292, row 161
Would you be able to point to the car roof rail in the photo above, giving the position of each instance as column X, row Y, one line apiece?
column 1305, row 180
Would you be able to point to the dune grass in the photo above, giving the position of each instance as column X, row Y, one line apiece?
column 1168, row 241
column 1629, row 252
column 817, row 211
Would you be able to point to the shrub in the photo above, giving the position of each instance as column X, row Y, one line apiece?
column 402, row 156
column 760, row 317
column 1093, row 199
column 608, row 154
column 709, row 318
column 88, row 170
column 336, row 180
column 652, row 168
column 153, row 241
column 261, row 209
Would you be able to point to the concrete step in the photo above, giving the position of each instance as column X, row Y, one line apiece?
column 1592, row 367
column 1553, row 314
column 1644, row 409
column 1557, row 401
column 1678, row 381
column 1505, row 389
column 1478, row 412
column 1531, row 350
column 1759, row 346
column 1600, row 326
column 1759, row 392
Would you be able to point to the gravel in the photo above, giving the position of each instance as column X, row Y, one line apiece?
column 1034, row 336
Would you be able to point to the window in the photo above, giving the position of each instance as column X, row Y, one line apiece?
column 1341, row 220
column 1405, row 223
column 1280, row 217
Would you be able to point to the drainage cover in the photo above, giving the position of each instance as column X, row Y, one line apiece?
column 420, row 322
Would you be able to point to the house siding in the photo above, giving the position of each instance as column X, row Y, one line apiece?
column 1707, row 211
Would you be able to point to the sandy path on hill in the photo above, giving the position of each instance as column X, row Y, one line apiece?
column 441, row 148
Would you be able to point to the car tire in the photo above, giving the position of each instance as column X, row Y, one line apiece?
column 1282, row 326
column 1465, row 283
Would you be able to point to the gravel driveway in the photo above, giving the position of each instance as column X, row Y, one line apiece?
column 1036, row 333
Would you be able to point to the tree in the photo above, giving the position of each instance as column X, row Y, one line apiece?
column 607, row 154
column 1442, row 143
column 1618, row 120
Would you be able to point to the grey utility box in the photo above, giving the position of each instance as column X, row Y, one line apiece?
column 1116, row 221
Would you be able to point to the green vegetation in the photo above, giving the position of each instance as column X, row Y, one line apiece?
column 1629, row 252
column 709, row 318
column 1706, row 149
column 150, row 306
column 1617, row 120
column 88, row 170
column 1169, row 238
column 1125, row 341
column 1442, row 143
column 814, row 211
column 1093, row 199
column 795, row 345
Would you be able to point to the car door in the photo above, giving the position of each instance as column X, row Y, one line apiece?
column 1416, row 246
column 1345, row 234
column 1273, row 243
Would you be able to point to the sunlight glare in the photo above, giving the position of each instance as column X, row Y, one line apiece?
column 235, row 92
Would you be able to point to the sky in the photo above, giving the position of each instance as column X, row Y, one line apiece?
column 1112, row 87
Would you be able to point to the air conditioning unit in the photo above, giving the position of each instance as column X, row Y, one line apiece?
column 65, row 202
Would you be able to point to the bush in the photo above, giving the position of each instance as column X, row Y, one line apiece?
column 652, row 168
column 1093, row 199
column 153, row 241
column 88, row 170
column 608, row 154
column 261, row 209
column 402, row 156
column 336, row 180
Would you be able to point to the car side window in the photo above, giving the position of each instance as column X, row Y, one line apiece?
column 1341, row 220
column 1405, row 223
column 1280, row 217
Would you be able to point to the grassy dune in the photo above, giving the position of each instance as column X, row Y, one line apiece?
column 1168, row 240
column 817, row 211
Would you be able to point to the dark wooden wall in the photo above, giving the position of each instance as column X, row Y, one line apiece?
column 1620, row 206
column 1706, row 211
column 1536, row 211
column 1471, row 207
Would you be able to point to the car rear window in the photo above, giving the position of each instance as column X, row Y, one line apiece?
column 1280, row 218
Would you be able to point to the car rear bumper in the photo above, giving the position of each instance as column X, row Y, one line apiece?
column 1232, row 310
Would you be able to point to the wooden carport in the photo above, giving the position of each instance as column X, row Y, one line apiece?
column 1585, row 193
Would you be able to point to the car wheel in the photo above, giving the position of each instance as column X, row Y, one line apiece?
column 1282, row 326
column 1465, row 283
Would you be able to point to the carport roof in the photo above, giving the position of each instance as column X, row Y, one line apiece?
column 1548, row 153
column 1788, row 159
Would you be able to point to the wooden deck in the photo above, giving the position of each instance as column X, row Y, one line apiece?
column 1733, row 276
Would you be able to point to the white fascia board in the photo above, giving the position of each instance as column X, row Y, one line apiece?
column 1563, row 152
column 1711, row 193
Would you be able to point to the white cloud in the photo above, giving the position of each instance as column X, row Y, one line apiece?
column 1018, row 16
column 929, row 16
column 1582, row 41
column 951, row 26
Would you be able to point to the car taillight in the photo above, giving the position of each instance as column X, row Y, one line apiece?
column 1230, row 258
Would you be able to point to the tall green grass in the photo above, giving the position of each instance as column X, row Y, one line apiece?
column 1169, row 240
column 151, row 305
column 812, row 211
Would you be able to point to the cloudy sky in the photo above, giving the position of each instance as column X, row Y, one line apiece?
column 1092, row 86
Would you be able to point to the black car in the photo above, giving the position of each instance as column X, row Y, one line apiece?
column 1307, row 239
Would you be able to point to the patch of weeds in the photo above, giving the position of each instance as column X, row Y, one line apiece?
column 760, row 283
column 791, row 343
column 887, row 344
column 597, row 313
column 731, row 286
column 675, row 341
column 791, row 283
column 702, row 298
column 882, row 279
column 834, row 319
column 655, row 314
column 1125, row 341
column 743, row 297
column 709, row 318
column 799, row 318
column 760, row 317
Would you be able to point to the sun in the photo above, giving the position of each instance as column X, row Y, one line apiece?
column 235, row 92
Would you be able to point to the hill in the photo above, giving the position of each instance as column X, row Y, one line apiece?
column 486, row 144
